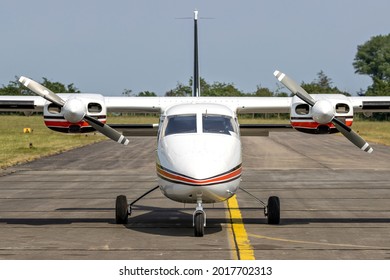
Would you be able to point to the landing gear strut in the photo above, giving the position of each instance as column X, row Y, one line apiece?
column 271, row 210
column 123, row 209
column 199, row 218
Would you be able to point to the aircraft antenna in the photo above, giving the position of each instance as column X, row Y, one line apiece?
column 196, row 82
column 196, row 77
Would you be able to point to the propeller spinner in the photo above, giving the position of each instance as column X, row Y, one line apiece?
column 74, row 110
column 326, row 115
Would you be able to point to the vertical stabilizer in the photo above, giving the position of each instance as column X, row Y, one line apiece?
column 196, row 80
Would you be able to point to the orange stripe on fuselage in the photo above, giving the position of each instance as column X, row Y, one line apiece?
column 200, row 182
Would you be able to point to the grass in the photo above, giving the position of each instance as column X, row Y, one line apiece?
column 19, row 147
column 373, row 132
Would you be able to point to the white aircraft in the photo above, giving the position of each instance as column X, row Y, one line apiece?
column 198, row 157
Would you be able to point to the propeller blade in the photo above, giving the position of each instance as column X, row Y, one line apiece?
column 352, row 136
column 52, row 97
column 42, row 91
column 294, row 87
column 343, row 128
column 106, row 130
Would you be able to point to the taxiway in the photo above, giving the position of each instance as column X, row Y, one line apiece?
column 335, row 203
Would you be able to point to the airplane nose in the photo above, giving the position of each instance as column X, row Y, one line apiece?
column 202, row 165
column 204, row 157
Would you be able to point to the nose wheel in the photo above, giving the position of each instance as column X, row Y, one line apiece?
column 199, row 218
column 199, row 221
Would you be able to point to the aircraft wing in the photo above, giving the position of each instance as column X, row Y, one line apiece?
column 370, row 104
column 9, row 103
column 98, row 106
column 242, row 105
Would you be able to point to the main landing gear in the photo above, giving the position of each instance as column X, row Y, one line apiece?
column 271, row 210
column 123, row 209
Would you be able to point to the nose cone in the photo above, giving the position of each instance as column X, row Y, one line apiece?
column 323, row 112
column 74, row 110
column 200, row 156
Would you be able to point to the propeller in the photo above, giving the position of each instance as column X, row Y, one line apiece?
column 324, row 113
column 74, row 110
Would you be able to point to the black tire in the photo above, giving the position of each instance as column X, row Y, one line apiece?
column 199, row 224
column 273, row 210
column 121, row 212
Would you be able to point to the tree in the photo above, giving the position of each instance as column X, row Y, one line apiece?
column 146, row 93
column 379, row 87
column 262, row 91
column 58, row 87
column 204, row 86
column 373, row 59
column 127, row 92
column 215, row 89
column 221, row 89
column 323, row 81
column 323, row 84
column 180, row 90
column 16, row 88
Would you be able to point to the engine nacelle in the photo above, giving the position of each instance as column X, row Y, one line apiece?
column 68, row 119
column 317, row 119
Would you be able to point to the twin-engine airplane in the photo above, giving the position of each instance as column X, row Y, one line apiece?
column 198, row 158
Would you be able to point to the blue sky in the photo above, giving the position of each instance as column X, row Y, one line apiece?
column 108, row 46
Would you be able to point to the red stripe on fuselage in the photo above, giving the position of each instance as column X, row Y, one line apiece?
column 315, row 125
column 67, row 124
column 177, row 178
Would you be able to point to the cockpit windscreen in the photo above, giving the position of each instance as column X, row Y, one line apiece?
column 181, row 124
column 218, row 124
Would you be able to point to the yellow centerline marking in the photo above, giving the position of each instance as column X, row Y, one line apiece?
column 239, row 236
column 232, row 242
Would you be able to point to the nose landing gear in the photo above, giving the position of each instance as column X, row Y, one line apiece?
column 199, row 218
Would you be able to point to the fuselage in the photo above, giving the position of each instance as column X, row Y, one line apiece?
column 199, row 153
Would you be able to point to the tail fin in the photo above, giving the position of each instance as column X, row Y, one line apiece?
column 196, row 80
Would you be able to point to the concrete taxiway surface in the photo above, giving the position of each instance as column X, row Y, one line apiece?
column 335, row 203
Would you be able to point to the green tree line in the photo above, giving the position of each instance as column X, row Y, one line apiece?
column 322, row 84
column 16, row 88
